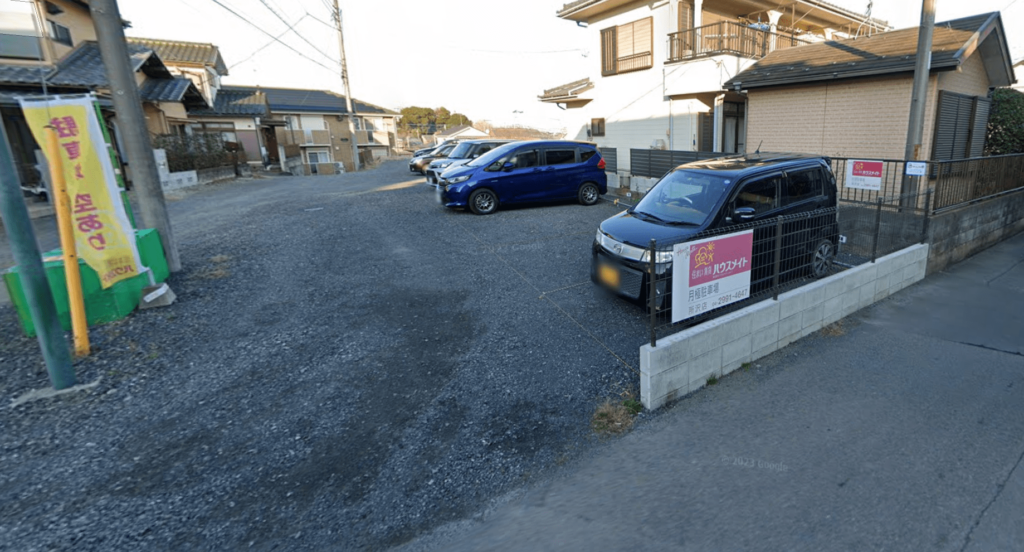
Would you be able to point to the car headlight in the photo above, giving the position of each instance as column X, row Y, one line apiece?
column 661, row 257
column 458, row 179
column 599, row 236
column 443, row 165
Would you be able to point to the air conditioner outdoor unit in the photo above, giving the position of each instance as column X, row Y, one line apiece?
column 339, row 167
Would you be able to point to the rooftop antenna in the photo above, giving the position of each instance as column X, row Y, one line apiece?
column 758, row 150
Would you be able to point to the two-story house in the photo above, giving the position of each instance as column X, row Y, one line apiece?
column 310, row 128
column 50, row 46
column 655, row 77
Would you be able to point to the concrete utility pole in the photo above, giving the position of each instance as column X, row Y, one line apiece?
column 106, row 18
column 917, row 100
column 21, row 235
column 348, row 91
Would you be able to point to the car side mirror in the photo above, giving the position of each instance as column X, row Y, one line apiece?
column 744, row 213
column 508, row 166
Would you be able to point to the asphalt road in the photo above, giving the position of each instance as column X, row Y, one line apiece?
column 904, row 433
column 348, row 366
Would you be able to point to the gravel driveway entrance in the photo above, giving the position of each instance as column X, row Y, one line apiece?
column 348, row 365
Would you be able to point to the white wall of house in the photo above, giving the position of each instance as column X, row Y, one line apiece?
column 635, row 106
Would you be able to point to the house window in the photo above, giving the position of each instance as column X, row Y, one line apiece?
column 685, row 22
column 960, row 126
column 597, row 127
column 60, row 33
column 628, row 47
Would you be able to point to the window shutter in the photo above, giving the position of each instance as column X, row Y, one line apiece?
column 979, row 127
column 625, row 40
column 953, row 124
column 609, row 53
column 685, row 16
column 643, row 39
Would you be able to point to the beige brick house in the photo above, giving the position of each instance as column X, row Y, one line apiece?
column 851, row 98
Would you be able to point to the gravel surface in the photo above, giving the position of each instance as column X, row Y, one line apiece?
column 348, row 366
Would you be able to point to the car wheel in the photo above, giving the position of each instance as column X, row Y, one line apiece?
column 483, row 202
column 589, row 193
column 821, row 259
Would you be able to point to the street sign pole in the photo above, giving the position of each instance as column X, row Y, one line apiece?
column 22, row 237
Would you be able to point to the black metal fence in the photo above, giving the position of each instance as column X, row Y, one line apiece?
column 786, row 252
column 655, row 163
column 967, row 181
column 611, row 159
column 954, row 183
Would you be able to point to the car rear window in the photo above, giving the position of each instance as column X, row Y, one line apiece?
column 803, row 184
column 586, row 154
column 561, row 156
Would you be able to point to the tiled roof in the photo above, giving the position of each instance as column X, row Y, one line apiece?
column 83, row 66
column 230, row 102
column 570, row 90
column 23, row 74
column 164, row 90
column 290, row 100
column 177, row 51
column 880, row 54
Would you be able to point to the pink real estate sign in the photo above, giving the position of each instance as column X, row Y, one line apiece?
column 710, row 273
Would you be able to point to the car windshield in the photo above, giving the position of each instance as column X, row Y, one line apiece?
column 683, row 197
column 461, row 151
column 492, row 156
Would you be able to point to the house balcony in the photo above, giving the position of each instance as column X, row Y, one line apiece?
column 727, row 37
column 287, row 137
column 375, row 138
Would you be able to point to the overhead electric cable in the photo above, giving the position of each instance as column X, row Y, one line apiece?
column 258, row 28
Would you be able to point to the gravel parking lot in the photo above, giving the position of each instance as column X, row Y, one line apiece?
column 348, row 365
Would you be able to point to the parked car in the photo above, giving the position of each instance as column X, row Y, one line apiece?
column 420, row 164
column 525, row 172
column 714, row 194
column 465, row 151
column 424, row 151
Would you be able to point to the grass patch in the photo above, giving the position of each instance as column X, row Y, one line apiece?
column 611, row 417
column 746, row 366
column 834, row 329
column 712, row 379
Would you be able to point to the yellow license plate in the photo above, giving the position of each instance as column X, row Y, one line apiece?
column 609, row 275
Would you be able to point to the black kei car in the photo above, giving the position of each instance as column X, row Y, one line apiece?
column 714, row 194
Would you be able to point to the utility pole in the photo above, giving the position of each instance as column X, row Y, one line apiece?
column 348, row 91
column 915, row 129
column 21, row 235
column 106, row 18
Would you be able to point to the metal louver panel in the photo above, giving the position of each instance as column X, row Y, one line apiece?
column 609, row 52
column 979, row 127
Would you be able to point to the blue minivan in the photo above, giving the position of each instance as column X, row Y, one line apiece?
column 525, row 172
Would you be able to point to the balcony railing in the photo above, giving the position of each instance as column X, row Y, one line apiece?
column 727, row 37
column 304, row 137
column 635, row 62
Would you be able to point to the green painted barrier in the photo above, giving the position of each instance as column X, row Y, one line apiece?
column 101, row 305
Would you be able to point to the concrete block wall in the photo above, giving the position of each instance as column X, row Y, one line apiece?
column 682, row 362
column 958, row 234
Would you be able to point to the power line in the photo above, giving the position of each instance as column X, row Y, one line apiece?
column 257, row 27
column 261, row 48
column 292, row 29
